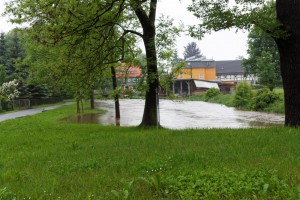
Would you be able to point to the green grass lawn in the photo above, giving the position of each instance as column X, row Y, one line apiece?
column 43, row 157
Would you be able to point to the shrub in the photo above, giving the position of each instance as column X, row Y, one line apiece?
column 264, row 98
column 243, row 95
column 212, row 92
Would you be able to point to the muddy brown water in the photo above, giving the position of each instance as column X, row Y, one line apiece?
column 181, row 115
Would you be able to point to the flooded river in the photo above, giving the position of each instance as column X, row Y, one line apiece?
column 182, row 115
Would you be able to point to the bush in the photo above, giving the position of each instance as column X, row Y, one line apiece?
column 243, row 95
column 264, row 98
column 212, row 92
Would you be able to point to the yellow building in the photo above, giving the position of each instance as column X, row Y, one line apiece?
column 199, row 68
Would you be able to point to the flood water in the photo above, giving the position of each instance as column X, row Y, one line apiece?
column 182, row 115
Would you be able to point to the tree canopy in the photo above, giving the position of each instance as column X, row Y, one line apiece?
column 263, row 58
column 109, row 25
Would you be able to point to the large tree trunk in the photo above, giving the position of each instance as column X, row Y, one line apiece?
column 150, row 117
column 147, row 20
column 288, row 13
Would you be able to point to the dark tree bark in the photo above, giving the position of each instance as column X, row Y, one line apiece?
column 288, row 13
column 116, row 97
column 92, row 99
column 150, row 117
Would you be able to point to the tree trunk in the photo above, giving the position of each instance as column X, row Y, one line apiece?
column 78, row 105
column 150, row 117
column 116, row 97
column 92, row 99
column 151, row 110
column 288, row 13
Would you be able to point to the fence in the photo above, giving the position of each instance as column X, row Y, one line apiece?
column 28, row 103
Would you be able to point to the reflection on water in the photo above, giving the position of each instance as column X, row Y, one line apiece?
column 181, row 115
column 91, row 118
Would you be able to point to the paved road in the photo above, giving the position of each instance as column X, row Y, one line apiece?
column 28, row 112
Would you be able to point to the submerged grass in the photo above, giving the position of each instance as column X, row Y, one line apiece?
column 43, row 157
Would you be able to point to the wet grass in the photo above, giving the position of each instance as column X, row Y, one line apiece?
column 43, row 157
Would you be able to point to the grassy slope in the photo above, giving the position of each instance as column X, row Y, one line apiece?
column 42, row 157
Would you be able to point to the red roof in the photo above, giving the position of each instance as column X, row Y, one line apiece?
column 133, row 71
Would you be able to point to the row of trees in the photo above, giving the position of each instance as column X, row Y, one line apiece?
column 97, row 34
column 14, row 69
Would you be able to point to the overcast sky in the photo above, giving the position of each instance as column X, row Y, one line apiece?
column 222, row 45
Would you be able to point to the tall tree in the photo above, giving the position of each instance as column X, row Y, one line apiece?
column 283, row 25
column 53, row 21
column 263, row 59
column 191, row 49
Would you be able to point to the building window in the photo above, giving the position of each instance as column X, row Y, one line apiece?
column 180, row 75
column 201, row 76
column 208, row 63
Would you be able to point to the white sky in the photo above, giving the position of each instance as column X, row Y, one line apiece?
column 222, row 45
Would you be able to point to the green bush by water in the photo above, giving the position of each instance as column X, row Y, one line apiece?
column 264, row 98
column 243, row 95
column 212, row 92
column 260, row 100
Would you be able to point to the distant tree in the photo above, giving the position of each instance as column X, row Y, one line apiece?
column 263, row 58
column 191, row 49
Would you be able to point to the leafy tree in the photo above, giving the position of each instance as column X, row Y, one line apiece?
column 191, row 49
column 107, row 21
column 283, row 25
column 263, row 58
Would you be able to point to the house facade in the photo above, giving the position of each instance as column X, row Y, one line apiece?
column 232, row 71
column 225, row 73
column 188, row 87
column 229, row 73
column 128, row 75
column 198, row 68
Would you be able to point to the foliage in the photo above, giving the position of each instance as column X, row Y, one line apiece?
column 264, row 98
column 79, row 23
column 9, row 89
column 212, row 92
column 243, row 95
column 263, row 58
column 228, row 184
column 191, row 50
column 219, row 14
column 229, row 100
column 213, row 184
column 12, row 52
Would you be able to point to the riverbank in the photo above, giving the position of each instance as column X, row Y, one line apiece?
column 228, row 100
column 43, row 157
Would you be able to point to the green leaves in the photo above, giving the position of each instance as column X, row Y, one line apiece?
column 243, row 14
